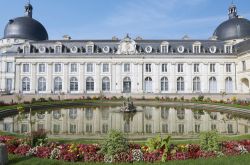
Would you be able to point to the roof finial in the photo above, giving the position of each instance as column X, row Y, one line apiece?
column 232, row 11
column 28, row 9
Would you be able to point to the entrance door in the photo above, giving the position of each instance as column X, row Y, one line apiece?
column 127, row 85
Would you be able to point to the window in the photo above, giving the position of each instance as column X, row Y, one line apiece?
column 126, row 67
column 228, row 68
column 105, row 68
column 180, row 68
column 228, row 49
column 90, row 84
column 26, row 49
column 181, row 114
column 229, row 85
column 164, row 128
column 73, row 84
column 148, row 128
column 72, row 128
column 26, row 84
column 105, row 84
column 212, row 85
column 148, row 85
column 56, row 128
column 26, row 68
column 181, row 128
column 196, row 84
column 196, row 49
column 197, row 128
column 41, row 84
column 73, row 68
column 58, row 68
column 57, row 84
column 230, row 128
column 244, row 66
column 89, row 114
column 180, row 84
column 58, row 49
column 164, row 49
column 24, row 128
column 105, row 128
column 164, row 113
column 212, row 68
column 164, row 67
column 72, row 114
column 41, row 68
column 9, row 67
column 89, row 67
column 164, row 84
column 88, row 128
column 213, row 127
column 196, row 68
column 90, row 49
column 148, row 68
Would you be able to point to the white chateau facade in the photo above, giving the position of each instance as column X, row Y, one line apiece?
column 32, row 64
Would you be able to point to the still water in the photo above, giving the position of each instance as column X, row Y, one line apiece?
column 95, row 122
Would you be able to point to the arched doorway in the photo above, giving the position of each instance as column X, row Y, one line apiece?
column 148, row 85
column 127, row 85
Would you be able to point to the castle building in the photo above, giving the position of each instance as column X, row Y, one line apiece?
column 30, row 63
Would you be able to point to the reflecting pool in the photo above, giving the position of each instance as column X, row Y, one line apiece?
column 95, row 122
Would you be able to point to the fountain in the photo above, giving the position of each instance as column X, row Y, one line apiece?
column 128, row 106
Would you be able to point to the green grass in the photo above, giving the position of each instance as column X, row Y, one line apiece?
column 237, row 160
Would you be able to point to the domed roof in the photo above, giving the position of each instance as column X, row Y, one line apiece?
column 234, row 28
column 26, row 27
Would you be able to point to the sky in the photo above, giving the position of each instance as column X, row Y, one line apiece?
column 103, row 19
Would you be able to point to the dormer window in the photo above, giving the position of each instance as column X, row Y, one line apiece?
column 26, row 49
column 90, row 47
column 197, row 47
column 164, row 47
column 228, row 49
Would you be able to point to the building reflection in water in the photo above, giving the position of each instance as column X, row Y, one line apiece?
column 149, row 121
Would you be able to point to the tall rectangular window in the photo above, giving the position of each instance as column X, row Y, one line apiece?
column 41, row 68
column 126, row 67
column 9, row 67
column 180, row 68
column 89, row 49
column 228, row 49
column 73, row 68
column 228, row 68
column 58, row 68
column 89, row 67
column 164, row 67
column 196, row 49
column 196, row 68
column 164, row 49
column 148, row 68
column 197, row 128
column 243, row 65
column 105, row 68
column 26, row 68
column 212, row 68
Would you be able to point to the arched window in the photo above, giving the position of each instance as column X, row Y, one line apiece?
column 73, row 84
column 126, row 85
column 181, row 114
column 229, row 85
column 26, row 84
column 212, row 85
column 164, row 113
column 89, row 113
column 180, row 84
column 72, row 113
column 41, row 84
column 90, row 84
column 57, row 84
column 105, row 84
column 164, row 84
column 148, row 84
column 196, row 84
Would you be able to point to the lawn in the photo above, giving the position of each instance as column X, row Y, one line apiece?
column 235, row 160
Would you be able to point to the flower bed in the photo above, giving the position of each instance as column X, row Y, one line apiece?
column 91, row 152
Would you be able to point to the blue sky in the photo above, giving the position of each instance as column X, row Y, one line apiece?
column 149, row 19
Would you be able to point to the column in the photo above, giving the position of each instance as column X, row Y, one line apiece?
column 221, row 77
column 113, row 78
column 81, row 83
column 140, row 77
column 49, row 79
column 188, row 79
column 205, row 78
column 18, row 77
column 156, row 79
column 97, row 80
column 33, row 78
column 172, row 79
column 65, row 78
column 119, row 79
